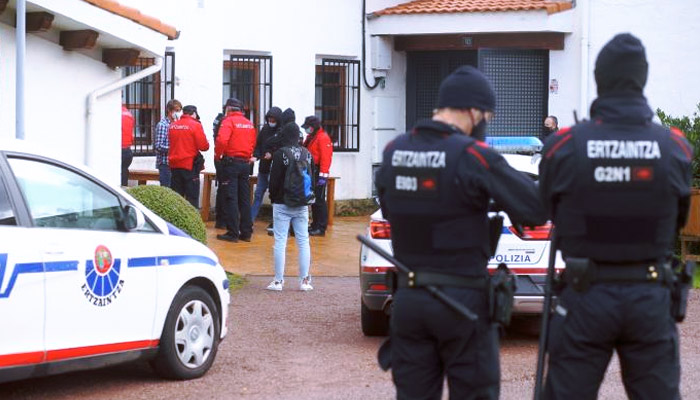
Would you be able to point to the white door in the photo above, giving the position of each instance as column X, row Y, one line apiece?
column 100, row 306
column 21, row 289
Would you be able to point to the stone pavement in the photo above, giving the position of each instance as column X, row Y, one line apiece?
column 336, row 254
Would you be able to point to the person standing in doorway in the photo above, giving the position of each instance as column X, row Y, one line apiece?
column 234, row 147
column 551, row 125
column 187, row 139
column 263, row 152
column 173, row 111
column 320, row 146
column 127, row 141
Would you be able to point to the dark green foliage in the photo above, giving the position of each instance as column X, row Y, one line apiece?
column 690, row 125
column 171, row 207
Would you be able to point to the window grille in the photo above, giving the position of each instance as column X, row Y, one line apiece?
column 249, row 79
column 520, row 79
column 337, row 102
column 146, row 99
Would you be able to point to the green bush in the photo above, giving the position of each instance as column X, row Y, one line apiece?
column 172, row 207
column 690, row 125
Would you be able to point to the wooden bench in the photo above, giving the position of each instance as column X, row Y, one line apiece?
column 209, row 177
column 143, row 176
column 685, row 244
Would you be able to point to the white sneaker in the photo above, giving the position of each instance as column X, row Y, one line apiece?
column 275, row 285
column 305, row 285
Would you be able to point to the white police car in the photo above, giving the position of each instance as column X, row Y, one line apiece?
column 90, row 277
column 526, row 251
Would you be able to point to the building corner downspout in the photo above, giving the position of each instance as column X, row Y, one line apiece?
column 91, row 156
column 20, row 48
column 585, row 56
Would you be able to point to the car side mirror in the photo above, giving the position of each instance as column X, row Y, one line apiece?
column 133, row 218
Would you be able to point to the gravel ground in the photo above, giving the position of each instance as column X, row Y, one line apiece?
column 296, row 345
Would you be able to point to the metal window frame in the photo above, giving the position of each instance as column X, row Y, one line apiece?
column 258, row 91
column 345, row 134
column 151, row 94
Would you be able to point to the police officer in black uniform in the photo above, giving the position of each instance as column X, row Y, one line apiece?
column 617, row 188
column 435, row 185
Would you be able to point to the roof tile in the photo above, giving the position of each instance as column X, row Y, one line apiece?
column 466, row 6
column 136, row 16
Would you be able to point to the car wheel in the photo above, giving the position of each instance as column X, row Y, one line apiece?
column 190, row 336
column 374, row 323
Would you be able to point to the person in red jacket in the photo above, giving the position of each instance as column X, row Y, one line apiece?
column 187, row 139
column 320, row 146
column 234, row 148
column 127, row 141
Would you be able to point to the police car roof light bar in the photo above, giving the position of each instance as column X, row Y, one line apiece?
column 515, row 144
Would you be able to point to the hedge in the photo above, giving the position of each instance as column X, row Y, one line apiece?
column 172, row 207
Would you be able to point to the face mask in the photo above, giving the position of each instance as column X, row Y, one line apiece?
column 177, row 115
column 272, row 124
column 479, row 131
column 309, row 130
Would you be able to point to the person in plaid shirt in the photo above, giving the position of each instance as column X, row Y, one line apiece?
column 173, row 111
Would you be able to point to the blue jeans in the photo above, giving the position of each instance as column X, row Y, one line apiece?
column 260, row 188
column 299, row 218
column 165, row 175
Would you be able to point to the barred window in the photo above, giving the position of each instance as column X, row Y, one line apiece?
column 249, row 79
column 146, row 99
column 337, row 102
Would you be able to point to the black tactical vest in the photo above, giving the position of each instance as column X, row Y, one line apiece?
column 622, row 208
column 430, row 227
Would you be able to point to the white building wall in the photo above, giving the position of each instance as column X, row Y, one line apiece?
column 669, row 32
column 297, row 35
column 57, row 84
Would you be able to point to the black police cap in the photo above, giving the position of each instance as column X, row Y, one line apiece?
column 467, row 87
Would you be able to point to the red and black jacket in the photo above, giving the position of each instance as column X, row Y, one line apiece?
column 236, row 137
column 187, row 139
column 321, row 148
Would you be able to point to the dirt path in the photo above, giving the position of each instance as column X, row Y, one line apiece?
column 295, row 345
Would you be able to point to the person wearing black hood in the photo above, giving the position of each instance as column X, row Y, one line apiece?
column 434, row 185
column 277, row 141
column 617, row 189
column 263, row 152
column 284, row 213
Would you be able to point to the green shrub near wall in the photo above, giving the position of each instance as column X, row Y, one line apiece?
column 172, row 207
column 690, row 125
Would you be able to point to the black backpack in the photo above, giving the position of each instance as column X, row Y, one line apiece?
column 298, row 180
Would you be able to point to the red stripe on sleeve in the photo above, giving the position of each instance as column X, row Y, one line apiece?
column 557, row 146
column 683, row 147
column 478, row 156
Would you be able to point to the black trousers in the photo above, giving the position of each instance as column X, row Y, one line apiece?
column 633, row 319
column 127, row 158
column 186, row 183
column 430, row 341
column 219, row 205
column 234, row 183
column 319, row 210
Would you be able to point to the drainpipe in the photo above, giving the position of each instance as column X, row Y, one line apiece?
column 585, row 56
column 92, row 156
column 20, row 42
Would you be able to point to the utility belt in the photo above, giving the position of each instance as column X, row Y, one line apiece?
column 581, row 273
column 227, row 160
column 500, row 286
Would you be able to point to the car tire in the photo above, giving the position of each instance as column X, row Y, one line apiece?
column 190, row 337
column 374, row 323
